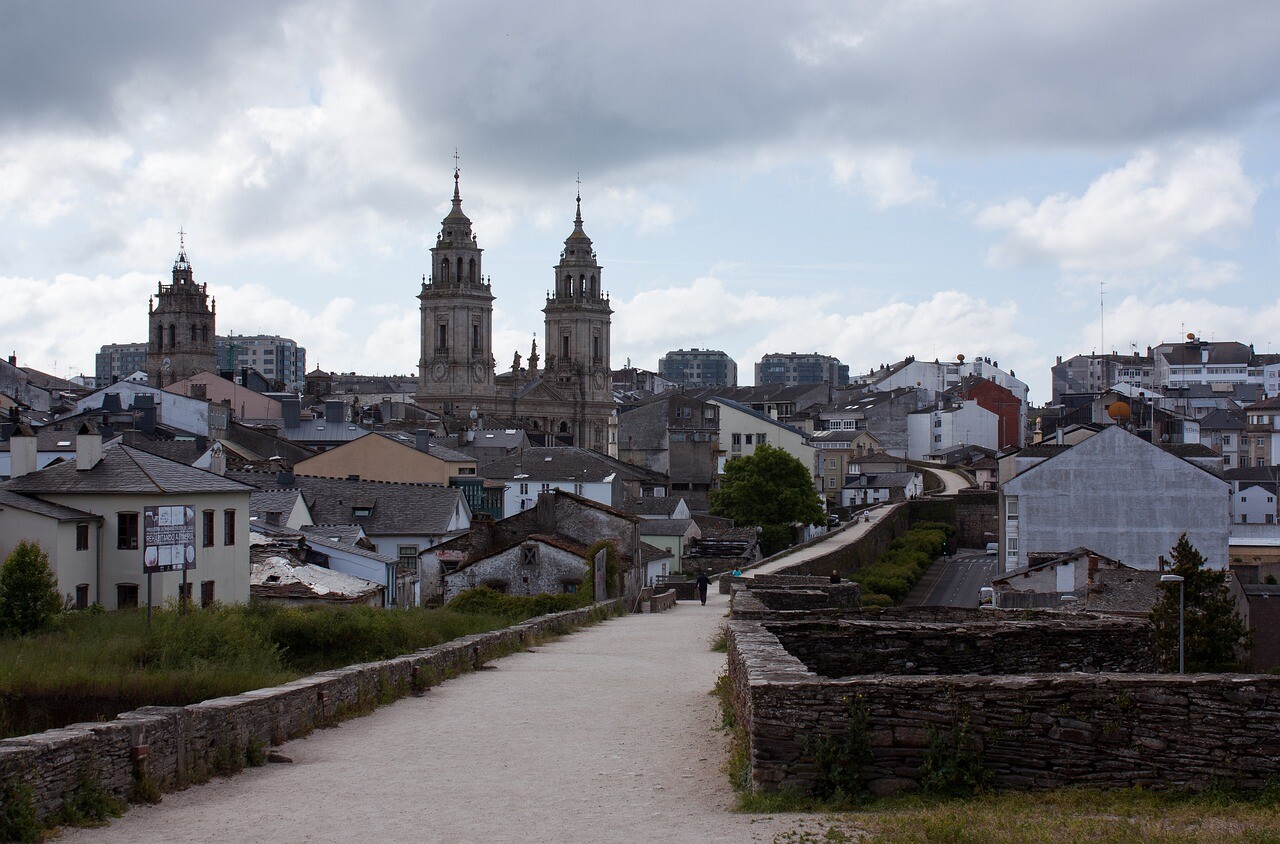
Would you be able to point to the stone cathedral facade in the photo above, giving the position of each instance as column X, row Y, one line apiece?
column 180, row 328
column 570, row 397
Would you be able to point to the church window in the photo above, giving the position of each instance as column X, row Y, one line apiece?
column 595, row 347
column 459, row 276
column 173, row 336
column 193, row 332
column 564, row 346
column 475, row 338
column 442, row 337
column 595, row 288
column 204, row 333
column 159, row 338
column 471, row 271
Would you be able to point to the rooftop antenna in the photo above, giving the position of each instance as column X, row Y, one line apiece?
column 1102, row 318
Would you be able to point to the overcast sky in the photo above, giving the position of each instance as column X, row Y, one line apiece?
column 862, row 179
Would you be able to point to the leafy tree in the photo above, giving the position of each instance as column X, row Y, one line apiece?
column 28, row 590
column 771, row 489
column 1215, row 635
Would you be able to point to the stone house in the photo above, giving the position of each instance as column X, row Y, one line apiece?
column 90, row 515
column 868, row 489
column 1118, row 495
column 676, row 435
column 561, row 521
column 1078, row 579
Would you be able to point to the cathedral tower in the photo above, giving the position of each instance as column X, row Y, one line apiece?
column 577, row 338
column 456, row 365
column 181, row 328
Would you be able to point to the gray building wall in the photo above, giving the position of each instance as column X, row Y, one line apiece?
column 554, row 568
column 1118, row 496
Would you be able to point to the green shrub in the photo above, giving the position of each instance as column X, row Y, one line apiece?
column 952, row 767
column 18, row 818
column 840, row 757
column 28, row 590
column 484, row 601
column 89, row 805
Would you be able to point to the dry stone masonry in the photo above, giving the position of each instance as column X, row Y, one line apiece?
column 1045, row 699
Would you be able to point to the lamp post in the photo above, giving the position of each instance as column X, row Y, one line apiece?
column 1180, row 580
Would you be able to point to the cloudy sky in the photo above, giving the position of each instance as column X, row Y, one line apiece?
column 863, row 179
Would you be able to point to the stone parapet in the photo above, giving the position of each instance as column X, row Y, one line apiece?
column 173, row 747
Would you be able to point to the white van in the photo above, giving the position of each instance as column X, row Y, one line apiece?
column 993, row 548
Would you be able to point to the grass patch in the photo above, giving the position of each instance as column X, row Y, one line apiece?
column 90, row 666
column 1065, row 816
column 720, row 641
column 18, row 818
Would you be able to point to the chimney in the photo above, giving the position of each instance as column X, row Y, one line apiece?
column 333, row 410
column 481, row 535
column 218, row 459
column 13, row 359
column 144, row 410
column 291, row 410
column 111, row 403
column 22, row 451
column 285, row 476
column 88, row 448
column 202, row 442
column 386, row 411
column 422, row 440
column 546, row 512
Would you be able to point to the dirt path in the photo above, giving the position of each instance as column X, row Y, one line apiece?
column 605, row 735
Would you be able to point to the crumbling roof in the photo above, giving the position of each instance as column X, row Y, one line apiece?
column 278, row 576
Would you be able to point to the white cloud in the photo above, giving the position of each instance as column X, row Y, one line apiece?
column 1145, row 321
column 885, row 176
column 708, row 313
column 1150, row 211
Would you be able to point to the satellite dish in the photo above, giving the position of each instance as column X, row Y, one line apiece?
column 960, row 358
column 1191, row 335
column 1119, row 411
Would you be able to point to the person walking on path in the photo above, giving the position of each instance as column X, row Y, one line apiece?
column 703, row 583
column 835, row 576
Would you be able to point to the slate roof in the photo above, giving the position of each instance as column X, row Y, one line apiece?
column 665, row 527
column 41, row 507
column 1189, row 354
column 1185, row 450
column 281, row 501
column 396, row 508
column 1222, row 420
column 311, row 430
column 890, row 480
column 343, row 534
column 1042, row 450
column 324, row 539
column 59, row 437
column 654, row 505
column 565, row 463
column 438, row 449
column 1257, row 474
column 758, row 415
column 125, row 470
column 649, row 553
column 1272, row 403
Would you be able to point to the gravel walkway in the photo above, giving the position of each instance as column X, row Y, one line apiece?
column 605, row 735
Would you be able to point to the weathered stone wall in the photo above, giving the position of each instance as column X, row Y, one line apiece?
column 847, row 646
column 1105, row 730
column 851, row 558
column 662, row 602
column 176, row 746
column 975, row 518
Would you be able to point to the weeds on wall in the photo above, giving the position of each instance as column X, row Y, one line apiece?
column 841, row 757
column 18, row 818
column 953, row 765
column 89, row 805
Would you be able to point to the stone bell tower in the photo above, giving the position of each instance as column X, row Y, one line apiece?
column 456, row 365
column 577, row 338
column 181, row 330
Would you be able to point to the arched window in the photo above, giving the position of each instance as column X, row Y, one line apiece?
column 567, row 290
column 595, row 287
column 173, row 336
column 204, row 333
column 564, row 427
column 458, row 277
column 159, row 338
column 193, row 332
column 444, row 270
column 471, row 271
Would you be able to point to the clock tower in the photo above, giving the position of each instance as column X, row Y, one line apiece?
column 180, row 336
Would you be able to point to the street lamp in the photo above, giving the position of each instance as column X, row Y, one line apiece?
column 1180, row 580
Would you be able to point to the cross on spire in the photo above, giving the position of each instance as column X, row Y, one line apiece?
column 182, row 239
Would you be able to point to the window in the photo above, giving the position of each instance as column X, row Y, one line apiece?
column 206, row 528
column 760, row 439
column 206, row 593
column 577, row 489
column 127, row 532
column 564, row 347
column 1011, row 509
column 570, row 587
column 475, row 338
column 126, row 596
column 545, row 487
column 524, row 489
column 1011, row 547
column 228, row 527
column 529, row 555
column 737, row 439
column 82, row 537
column 442, row 337
column 82, row 596
column 407, row 554
column 184, row 593
column 748, row 439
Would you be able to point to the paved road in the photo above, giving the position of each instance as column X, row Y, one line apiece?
column 955, row 582
column 606, row 735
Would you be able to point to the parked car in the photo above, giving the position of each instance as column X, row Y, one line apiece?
column 993, row 548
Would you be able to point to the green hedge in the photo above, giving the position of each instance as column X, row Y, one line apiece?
column 484, row 601
column 888, row 580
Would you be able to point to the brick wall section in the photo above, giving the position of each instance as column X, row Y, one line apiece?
column 1103, row 730
column 176, row 746
column 976, row 518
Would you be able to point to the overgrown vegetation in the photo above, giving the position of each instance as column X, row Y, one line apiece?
column 770, row 489
column 887, row 581
column 612, row 573
column 28, row 590
column 89, row 805
column 953, row 766
column 840, row 757
column 483, row 601
column 18, row 818
column 90, row 664
column 1066, row 816
column 737, row 766
column 1215, row 634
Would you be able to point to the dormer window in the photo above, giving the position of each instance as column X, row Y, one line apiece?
column 361, row 512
